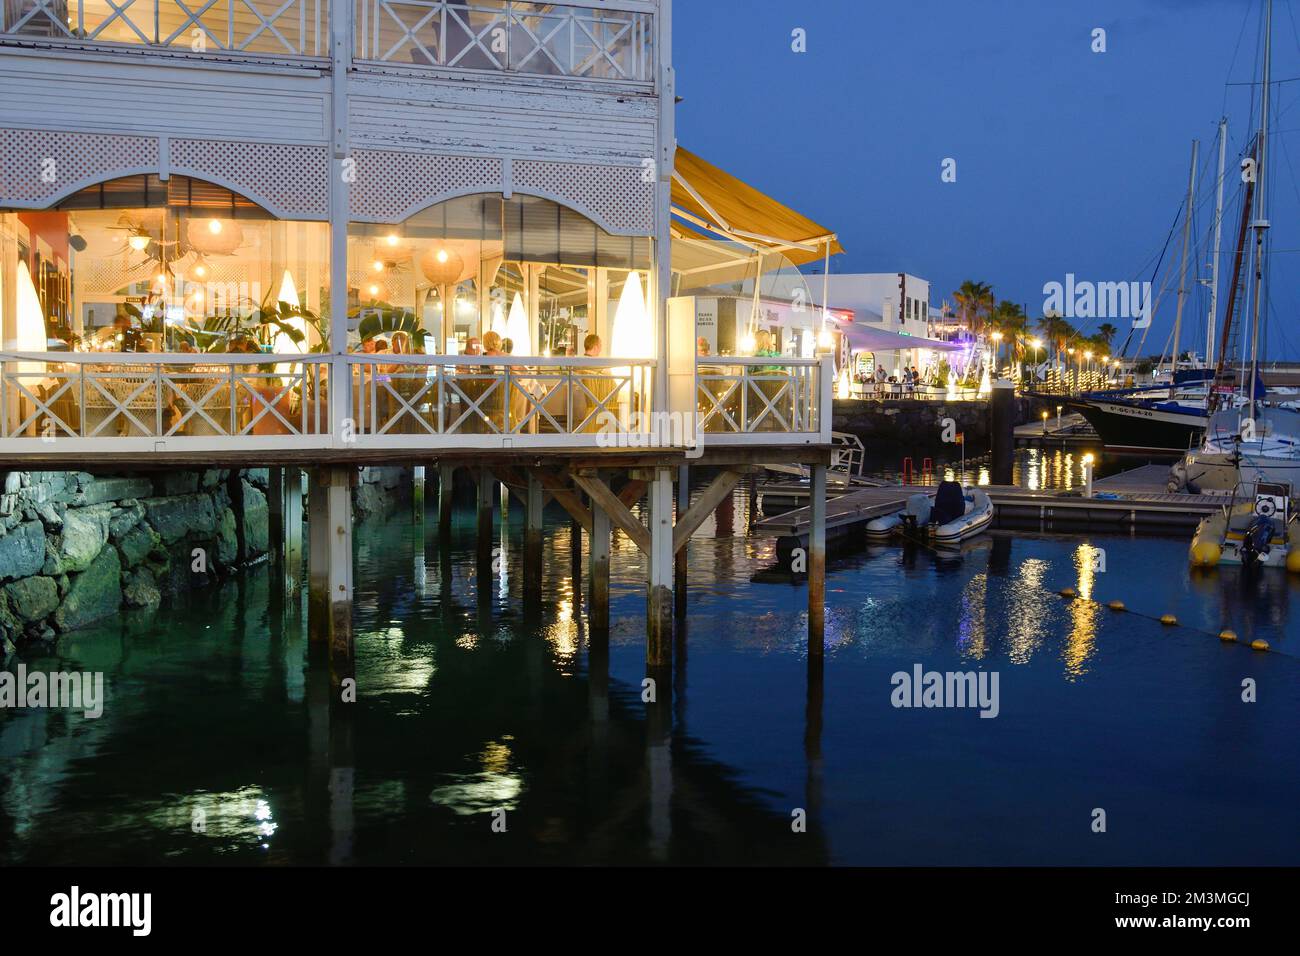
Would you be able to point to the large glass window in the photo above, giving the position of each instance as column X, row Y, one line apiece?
column 146, row 265
column 471, row 272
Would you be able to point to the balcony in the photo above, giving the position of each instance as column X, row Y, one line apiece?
column 499, row 36
column 508, row 36
column 280, row 29
column 141, row 404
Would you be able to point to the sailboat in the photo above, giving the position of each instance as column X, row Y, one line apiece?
column 1249, row 441
column 1165, row 418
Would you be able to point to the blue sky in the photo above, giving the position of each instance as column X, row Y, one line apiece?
column 1067, row 161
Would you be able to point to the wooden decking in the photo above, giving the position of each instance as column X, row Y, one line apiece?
column 1134, row 499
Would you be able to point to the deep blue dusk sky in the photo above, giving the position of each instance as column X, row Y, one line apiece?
column 1067, row 160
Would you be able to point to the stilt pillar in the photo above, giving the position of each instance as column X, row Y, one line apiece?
column 534, row 510
column 598, row 599
column 446, row 484
column 679, row 565
column 275, row 513
column 330, row 518
column 817, row 563
column 293, row 528
column 486, row 492
column 417, row 493
column 659, row 587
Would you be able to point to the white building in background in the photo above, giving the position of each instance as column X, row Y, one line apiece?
column 894, row 301
column 888, row 301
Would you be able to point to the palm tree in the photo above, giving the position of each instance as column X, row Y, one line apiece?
column 976, row 301
column 1106, row 333
column 1057, row 332
column 1010, row 319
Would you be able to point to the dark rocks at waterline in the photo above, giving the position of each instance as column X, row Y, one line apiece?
column 75, row 548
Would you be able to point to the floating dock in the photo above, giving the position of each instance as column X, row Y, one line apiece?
column 1134, row 500
column 1066, row 431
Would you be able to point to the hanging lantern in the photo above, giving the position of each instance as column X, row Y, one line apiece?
column 442, row 265
column 214, row 237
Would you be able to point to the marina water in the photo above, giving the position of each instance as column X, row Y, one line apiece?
column 223, row 740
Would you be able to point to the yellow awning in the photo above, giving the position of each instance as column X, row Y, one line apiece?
column 712, row 198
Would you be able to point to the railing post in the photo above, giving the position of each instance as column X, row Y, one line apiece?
column 340, row 60
column 826, row 398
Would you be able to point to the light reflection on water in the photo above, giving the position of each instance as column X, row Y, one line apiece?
column 466, row 706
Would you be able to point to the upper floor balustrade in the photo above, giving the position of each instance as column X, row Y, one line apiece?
column 277, row 28
column 80, row 404
column 609, row 42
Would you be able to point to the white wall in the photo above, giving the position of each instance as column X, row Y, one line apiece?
column 872, row 292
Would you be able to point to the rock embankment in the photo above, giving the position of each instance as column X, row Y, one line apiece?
column 75, row 548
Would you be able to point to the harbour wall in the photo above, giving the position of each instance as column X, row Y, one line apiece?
column 76, row 548
column 918, row 426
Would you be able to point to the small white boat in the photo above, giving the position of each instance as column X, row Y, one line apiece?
column 938, row 516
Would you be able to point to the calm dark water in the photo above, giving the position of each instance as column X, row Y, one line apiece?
column 221, row 743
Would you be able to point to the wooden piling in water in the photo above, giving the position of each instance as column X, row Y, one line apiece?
column 275, row 513
column 680, row 558
column 534, row 511
column 598, row 597
column 330, row 596
column 659, row 590
column 417, row 492
column 486, row 493
column 817, row 563
column 446, row 486
column 293, row 528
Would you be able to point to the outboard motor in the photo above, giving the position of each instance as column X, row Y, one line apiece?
column 916, row 513
column 1256, row 540
column 949, row 503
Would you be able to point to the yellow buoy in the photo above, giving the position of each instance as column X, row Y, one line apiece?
column 1067, row 592
column 1259, row 645
column 1227, row 635
column 1205, row 554
column 1116, row 605
column 1168, row 619
column 1293, row 560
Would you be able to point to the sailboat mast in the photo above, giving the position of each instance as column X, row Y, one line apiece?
column 1261, row 203
column 1182, row 277
column 1218, row 236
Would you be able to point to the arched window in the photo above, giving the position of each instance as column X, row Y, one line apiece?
column 536, row 273
column 146, row 264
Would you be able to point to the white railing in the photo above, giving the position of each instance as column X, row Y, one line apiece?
column 512, row 36
column 139, row 401
column 53, row 405
column 281, row 28
column 745, row 400
column 478, row 401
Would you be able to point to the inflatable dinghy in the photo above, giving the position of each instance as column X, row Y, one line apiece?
column 950, row 516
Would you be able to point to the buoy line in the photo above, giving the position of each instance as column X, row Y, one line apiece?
column 1227, row 635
